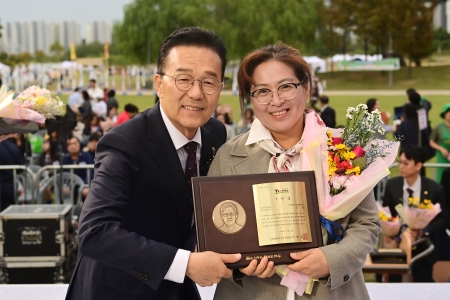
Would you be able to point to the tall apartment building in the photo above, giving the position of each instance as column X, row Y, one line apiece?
column 442, row 15
column 38, row 35
column 100, row 32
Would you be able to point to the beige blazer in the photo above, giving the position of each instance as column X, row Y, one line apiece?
column 345, row 258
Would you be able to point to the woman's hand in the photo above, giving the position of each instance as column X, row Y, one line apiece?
column 312, row 263
column 444, row 152
column 265, row 268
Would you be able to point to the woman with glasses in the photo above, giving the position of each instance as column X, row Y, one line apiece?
column 276, row 80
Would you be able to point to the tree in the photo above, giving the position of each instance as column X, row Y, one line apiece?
column 243, row 25
column 39, row 56
column 1, row 29
column 413, row 29
column 57, row 50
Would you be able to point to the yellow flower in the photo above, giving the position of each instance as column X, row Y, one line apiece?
column 356, row 170
column 416, row 201
column 329, row 134
column 340, row 146
column 426, row 201
column 348, row 155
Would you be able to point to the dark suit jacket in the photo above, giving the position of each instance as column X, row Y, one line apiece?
column 430, row 189
column 136, row 215
column 9, row 155
column 328, row 115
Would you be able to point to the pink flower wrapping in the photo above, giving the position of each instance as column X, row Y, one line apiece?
column 417, row 218
column 314, row 156
column 389, row 228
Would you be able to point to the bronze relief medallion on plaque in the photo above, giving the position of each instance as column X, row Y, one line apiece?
column 229, row 217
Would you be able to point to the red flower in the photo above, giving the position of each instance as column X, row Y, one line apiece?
column 359, row 151
column 337, row 141
column 344, row 165
column 336, row 159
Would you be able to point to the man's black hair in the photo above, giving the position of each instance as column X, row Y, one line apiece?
column 111, row 93
column 415, row 153
column 324, row 99
column 93, row 80
column 194, row 37
column 131, row 108
column 410, row 90
column 414, row 98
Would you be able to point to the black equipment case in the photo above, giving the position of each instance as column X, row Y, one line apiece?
column 33, row 243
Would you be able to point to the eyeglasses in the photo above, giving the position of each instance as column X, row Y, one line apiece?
column 184, row 82
column 285, row 91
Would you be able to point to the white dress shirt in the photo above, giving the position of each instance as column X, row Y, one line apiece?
column 100, row 109
column 416, row 188
column 177, row 270
column 96, row 93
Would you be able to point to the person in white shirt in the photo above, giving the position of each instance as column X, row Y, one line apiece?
column 136, row 233
column 412, row 185
column 100, row 108
column 94, row 91
column 75, row 99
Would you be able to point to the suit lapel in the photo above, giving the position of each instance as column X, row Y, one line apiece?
column 424, row 191
column 208, row 149
column 167, row 158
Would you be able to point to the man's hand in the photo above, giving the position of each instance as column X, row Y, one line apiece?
column 7, row 136
column 264, row 269
column 207, row 268
column 415, row 234
column 312, row 263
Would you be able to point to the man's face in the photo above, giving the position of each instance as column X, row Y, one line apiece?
column 229, row 216
column 408, row 168
column 188, row 110
column 92, row 145
column 73, row 146
column 92, row 84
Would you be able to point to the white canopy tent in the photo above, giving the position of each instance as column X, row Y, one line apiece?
column 5, row 69
column 317, row 64
column 348, row 57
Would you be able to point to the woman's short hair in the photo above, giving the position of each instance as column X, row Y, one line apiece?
column 281, row 52
column 226, row 205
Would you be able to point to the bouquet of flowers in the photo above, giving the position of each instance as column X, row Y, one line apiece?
column 390, row 226
column 417, row 213
column 348, row 163
column 33, row 104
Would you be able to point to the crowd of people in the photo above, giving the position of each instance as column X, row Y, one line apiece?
column 136, row 233
column 69, row 140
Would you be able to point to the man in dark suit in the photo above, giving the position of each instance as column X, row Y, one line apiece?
column 136, row 233
column 327, row 114
column 9, row 155
column 411, row 184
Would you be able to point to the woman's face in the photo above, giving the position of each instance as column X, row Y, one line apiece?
column 94, row 121
column 282, row 117
column 447, row 116
column 46, row 146
column 377, row 105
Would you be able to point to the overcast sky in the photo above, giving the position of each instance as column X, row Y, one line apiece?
column 82, row 11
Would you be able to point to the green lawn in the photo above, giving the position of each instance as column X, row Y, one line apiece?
column 423, row 78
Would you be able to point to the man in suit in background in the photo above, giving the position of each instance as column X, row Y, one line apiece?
column 327, row 114
column 136, row 233
column 9, row 155
column 411, row 185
